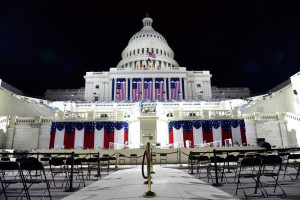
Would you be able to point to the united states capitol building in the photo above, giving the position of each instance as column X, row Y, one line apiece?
column 148, row 96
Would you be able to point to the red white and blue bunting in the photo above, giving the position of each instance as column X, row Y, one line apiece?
column 88, row 135
column 199, row 132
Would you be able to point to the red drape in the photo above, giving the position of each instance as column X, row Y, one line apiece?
column 52, row 139
column 108, row 138
column 188, row 136
column 171, row 138
column 88, row 141
column 69, row 140
column 125, row 137
column 207, row 137
column 226, row 135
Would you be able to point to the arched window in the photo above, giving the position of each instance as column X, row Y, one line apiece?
column 152, row 50
column 138, row 51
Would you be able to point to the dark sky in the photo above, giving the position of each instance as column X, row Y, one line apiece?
column 51, row 44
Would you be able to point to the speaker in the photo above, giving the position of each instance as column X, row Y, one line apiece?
column 295, row 92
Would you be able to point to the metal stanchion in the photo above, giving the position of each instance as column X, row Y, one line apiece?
column 216, row 168
column 149, row 193
column 98, row 167
column 71, row 189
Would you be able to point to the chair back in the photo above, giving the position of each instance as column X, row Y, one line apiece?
column 9, row 166
column 31, row 166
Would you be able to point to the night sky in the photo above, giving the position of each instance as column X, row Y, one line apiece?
column 52, row 44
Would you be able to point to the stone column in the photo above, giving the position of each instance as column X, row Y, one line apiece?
column 180, row 82
column 165, row 89
column 142, row 97
column 115, row 90
column 130, row 92
column 169, row 86
column 153, row 88
column 126, row 90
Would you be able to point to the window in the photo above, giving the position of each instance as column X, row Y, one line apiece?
column 165, row 52
column 152, row 50
column 156, row 51
column 160, row 52
column 94, row 93
column 198, row 85
column 97, row 86
column 130, row 53
column 142, row 50
column 133, row 52
column 147, row 50
column 138, row 51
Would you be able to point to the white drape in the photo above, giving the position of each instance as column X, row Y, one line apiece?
column 178, row 138
column 59, row 139
column 198, row 136
column 99, row 139
column 79, row 136
column 236, row 135
column 217, row 134
column 119, row 139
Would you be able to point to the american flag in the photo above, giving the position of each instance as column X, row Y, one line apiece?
column 175, row 88
column 159, row 90
column 121, row 90
column 148, row 89
column 136, row 90
column 152, row 55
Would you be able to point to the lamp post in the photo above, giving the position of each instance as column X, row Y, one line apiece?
column 164, row 96
column 158, row 96
column 137, row 97
column 201, row 95
column 72, row 97
column 179, row 95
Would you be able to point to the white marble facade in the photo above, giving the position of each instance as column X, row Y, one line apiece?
column 138, row 64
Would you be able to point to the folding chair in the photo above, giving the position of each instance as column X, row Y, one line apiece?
column 163, row 157
column 94, row 163
column 104, row 163
column 192, row 161
column 203, row 162
column 57, row 166
column 293, row 161
column 5, row 159
column 113, row 160
column 231, row 164
column 7, row 177
column 271, row 167
column 153, row 158
column 121, row 159
column 77, row 170
column 28, row 178
column 211, row 169
column 133, row 159
column 249, row 168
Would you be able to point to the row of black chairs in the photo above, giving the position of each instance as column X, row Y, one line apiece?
column 258, row 164
column 25, row 174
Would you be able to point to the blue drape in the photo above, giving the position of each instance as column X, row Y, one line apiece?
column 167, row 86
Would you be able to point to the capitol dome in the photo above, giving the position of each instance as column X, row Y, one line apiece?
column 136, row 54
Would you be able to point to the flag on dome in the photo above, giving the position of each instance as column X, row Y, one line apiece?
column 152, row 55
